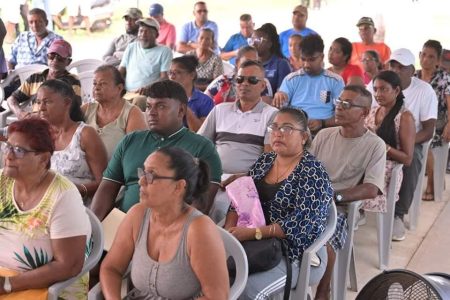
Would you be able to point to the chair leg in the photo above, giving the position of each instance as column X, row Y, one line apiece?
column 352, row 272
column 440, row 155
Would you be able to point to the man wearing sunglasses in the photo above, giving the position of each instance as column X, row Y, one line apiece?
column 238, row 129
column 59, row 57
column 355, row 160
column 312, row 88
column 191, row 30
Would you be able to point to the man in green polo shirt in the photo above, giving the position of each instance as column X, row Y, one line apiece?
column 166, row 108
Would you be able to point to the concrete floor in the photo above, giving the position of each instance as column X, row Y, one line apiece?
column 424, row 250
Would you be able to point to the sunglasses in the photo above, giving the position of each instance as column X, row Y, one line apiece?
column 250, row 79
column 18, row 152
column 56, row 56
column 346, row 105
column 150, row 176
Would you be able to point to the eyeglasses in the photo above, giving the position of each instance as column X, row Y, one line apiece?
column 346, row 104
column 150, row 176
column 366, row 60
column 18, row 152
column 53, row 56
column 250, row 79
column 202, row 11
column 285, row 129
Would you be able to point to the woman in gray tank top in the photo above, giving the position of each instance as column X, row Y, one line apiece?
column 176, row 251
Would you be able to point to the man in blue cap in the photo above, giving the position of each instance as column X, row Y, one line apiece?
column 167, row 33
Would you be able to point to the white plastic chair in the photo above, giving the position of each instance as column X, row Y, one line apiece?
column 228, row 68
column 233, row 248
column 440, row 155
column 23, row 73
column 303, row 290
column 87, row 84
column 84, row 65
column 414, row 210
column 385, row 221
column 345, row 258
column 91, row 261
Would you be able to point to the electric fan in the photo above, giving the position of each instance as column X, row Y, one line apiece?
column 406, row 285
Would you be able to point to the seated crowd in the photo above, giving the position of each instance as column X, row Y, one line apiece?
column 167, row 137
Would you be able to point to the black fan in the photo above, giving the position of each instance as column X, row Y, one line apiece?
column 406, row 285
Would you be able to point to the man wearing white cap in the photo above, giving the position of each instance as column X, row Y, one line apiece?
column 144, row 61
column 59, row 57
column 421, row 100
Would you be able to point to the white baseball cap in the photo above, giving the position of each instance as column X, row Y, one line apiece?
column 404, row 56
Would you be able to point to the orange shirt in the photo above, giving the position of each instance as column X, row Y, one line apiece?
column 359, row 48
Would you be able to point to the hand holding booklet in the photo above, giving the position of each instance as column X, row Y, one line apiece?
column 245, row 199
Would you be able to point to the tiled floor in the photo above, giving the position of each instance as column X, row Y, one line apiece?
column 424, row 250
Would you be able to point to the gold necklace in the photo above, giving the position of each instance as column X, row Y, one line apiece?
column 292, row 163
column 35, row 188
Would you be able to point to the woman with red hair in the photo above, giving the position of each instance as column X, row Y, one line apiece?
column 44, row 227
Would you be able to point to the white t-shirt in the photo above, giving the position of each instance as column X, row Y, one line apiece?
column 420, row 100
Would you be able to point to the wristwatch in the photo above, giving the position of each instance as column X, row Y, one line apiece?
column 7, row 285
column 338, row 197
column 258, row 234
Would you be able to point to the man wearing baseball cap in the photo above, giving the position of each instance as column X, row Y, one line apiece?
column 421, row 101
column 59, row 57
column 114, row 54
column 367, row 32
column 167, row 32
column 144, row 61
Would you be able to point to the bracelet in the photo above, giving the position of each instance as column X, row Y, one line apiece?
column 85, row 191
column 270, row 230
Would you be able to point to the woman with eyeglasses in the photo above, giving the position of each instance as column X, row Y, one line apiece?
column 266, row 41
column 44, row 228
column 339, row 57
column 79, row 154
column 224, row 89
column 175, row 251
column 294, row 206
column 210, row 64
column 371, row 65
column 392, row 122
column 183, row 71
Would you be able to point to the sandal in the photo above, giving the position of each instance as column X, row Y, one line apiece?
column 428, row 196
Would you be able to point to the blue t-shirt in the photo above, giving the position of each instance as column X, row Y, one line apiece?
column 276, row 69
column 143, row 66
column 190, row 32
column 285, row 35
column 235, row 42
column 200, row 104
column 313, row 94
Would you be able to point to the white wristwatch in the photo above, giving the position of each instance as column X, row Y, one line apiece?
column 7, row 285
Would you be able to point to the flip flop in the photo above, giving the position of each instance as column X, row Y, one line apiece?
column 428, row 197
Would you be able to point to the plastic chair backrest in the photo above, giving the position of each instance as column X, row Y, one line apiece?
column 84, row 65
column 87, row 84
column 91, row 261
column 234, row 249
column 228, row 69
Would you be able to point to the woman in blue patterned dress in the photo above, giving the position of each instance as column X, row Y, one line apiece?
column 295, row 194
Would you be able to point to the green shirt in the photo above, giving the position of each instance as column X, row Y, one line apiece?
column 135, row 147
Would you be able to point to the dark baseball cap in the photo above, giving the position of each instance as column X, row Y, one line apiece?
column 156, row 9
